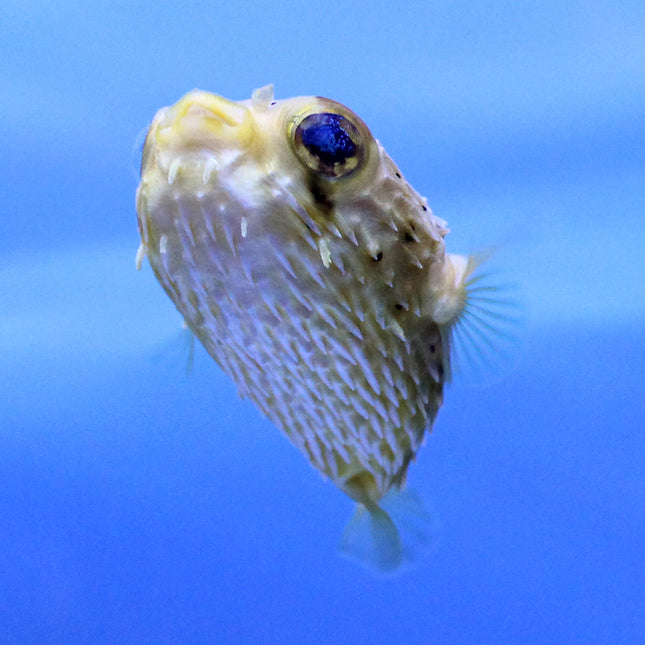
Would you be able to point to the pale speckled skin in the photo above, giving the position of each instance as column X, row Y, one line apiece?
column 324, row 300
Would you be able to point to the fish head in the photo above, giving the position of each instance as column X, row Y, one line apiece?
column 308, row 153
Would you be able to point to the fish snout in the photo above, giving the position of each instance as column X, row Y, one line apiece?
column 205, row 118
column 211, row 107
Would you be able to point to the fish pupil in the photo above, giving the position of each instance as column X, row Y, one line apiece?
column 326, row 136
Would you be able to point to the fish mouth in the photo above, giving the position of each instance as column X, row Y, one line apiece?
column 205, row 118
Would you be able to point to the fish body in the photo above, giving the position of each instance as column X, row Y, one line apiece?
column 310, row 270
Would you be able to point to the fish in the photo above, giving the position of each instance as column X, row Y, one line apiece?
column 318, row 280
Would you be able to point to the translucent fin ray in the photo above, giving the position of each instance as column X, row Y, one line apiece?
column 484, row 339
column 390, row 537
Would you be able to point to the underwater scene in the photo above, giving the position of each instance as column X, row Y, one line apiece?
column 143, row 500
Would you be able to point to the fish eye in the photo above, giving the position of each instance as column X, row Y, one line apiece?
column 328, row 143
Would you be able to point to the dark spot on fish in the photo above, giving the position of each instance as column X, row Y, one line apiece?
column 378, row 257
column 409, row 236
column 398, row 306
column 432, row 349
column 440, row 370
column 273, row 103
column 318, row 192
column 398, row 174
column 423, row 207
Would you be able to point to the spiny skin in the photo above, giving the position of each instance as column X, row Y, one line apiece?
column 323, row 298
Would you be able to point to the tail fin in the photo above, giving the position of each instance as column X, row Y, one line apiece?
column 390, row 536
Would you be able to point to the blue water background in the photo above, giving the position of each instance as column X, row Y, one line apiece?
column 138, row 505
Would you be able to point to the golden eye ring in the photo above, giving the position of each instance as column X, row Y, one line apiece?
column 328, row 143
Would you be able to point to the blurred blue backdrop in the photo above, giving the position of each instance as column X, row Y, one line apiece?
column 141, row 506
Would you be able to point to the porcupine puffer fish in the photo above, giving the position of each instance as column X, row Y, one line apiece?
column 313, row 274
